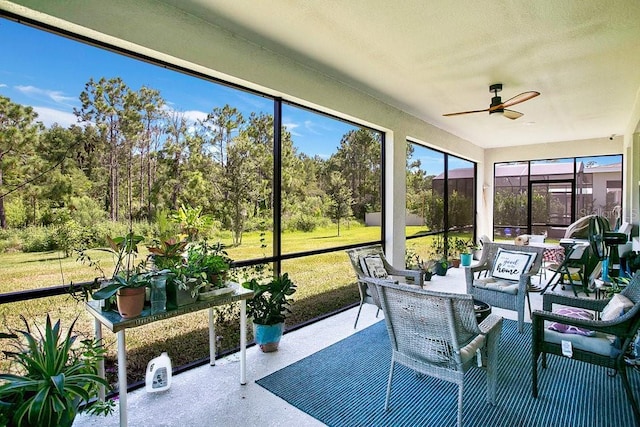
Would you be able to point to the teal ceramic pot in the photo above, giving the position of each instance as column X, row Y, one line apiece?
column 465, row 259
column 268, row 336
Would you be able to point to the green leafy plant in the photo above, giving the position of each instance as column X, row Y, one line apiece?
column 212, row 260
column 57, row 379
column 617, row 285
column 271, row 300
column 167, row 253
column 191, row 220
column 127, row 279
column 126, row 274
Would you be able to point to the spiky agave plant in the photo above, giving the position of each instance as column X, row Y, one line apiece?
column 56, row 379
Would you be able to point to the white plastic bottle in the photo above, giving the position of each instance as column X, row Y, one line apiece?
column 158, row 376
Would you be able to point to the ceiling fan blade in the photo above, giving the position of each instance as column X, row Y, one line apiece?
column 510, row 114
column 524, row 96
column 465, row 112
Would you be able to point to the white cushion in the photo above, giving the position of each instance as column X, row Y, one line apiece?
column 510, row 265
column 375, row 267
column 616, row 306
column 599, row 344
column 506, row 286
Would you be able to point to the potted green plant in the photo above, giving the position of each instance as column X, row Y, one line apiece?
column 269, row 308
column 57, row 378
column 167, row 253
column 466, row 248
column 414, row 262
column 183, row 280
column 211, row 264
column 129, row 281
column 438, row 256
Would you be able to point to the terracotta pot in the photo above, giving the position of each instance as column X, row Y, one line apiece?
column 130, row 302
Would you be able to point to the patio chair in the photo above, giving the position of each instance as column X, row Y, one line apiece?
column 589, row 338
column 436, row 334
column 498, row 288
column 372, row 267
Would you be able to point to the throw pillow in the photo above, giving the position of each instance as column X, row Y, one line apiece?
column 509, row 265
column 615, row 307
column 375, row 267
column 576, row 313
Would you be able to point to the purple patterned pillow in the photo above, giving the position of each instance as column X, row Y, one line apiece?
column 577, row 313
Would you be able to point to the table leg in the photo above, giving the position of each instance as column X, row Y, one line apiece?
column 212, row 338
column 98, row 334
column 243, row 342
column 122, row 377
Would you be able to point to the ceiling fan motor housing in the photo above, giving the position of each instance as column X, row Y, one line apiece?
column 495, row 100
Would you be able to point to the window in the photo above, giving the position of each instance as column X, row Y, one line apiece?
column 331, row 182
column 437, row 183
column 562, row 190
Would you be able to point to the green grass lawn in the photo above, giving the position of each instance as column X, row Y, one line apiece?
column 325, row 283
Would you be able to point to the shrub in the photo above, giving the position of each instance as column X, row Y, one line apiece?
column 38, row 239
column 10, row 239
column 16, row 212
column 86, row 211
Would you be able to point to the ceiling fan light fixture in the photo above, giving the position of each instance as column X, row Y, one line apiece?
column 497, row 112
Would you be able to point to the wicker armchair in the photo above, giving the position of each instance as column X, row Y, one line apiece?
column 436, row 334
column 597, row 349
column 366, row 283
column 512, row 295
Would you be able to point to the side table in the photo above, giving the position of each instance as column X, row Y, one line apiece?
column 115, row 323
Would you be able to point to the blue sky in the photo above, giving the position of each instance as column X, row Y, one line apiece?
column 48, row 72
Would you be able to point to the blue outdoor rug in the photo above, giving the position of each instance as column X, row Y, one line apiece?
column 345, row 385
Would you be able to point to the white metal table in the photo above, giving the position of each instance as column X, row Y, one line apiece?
column 115, row 323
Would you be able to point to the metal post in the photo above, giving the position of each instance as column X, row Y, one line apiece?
column 243, row 342
column 212, row 338
column 98, row 334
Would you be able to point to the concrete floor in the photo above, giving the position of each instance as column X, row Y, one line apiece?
column 213, row 396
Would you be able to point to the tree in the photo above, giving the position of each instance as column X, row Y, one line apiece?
column 19, row 133
column 341, row 199
column 358, row 158
column 152, row 116
column 103, row 104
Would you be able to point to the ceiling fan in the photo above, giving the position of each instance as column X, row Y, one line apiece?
column 499, row 107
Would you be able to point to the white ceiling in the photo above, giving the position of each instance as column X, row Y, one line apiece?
column 434, row 57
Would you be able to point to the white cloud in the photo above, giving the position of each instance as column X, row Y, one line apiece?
column 49, row 116
column 291, row 127
column 54, row 95
column 3, row 85
column 193, row 115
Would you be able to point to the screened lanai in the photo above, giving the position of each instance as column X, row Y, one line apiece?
column 359, row 89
